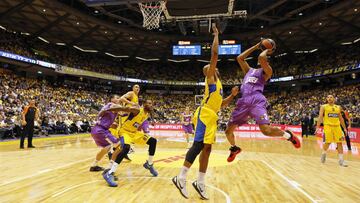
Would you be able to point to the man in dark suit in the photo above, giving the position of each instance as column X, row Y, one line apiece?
column 310, row 124
column 29, row 115
column 304, row 125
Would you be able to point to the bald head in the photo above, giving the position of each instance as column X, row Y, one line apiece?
column 207, row 67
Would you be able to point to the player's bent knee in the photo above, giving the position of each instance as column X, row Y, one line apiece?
column 151, row 141
column 152, row 146
column 194, row 150
column 126, row 148
column 123, row 153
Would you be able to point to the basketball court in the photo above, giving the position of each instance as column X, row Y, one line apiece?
column 266, row 171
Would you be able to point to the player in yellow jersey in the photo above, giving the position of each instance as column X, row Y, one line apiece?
column 129, row 99
column 205, row 121
column 330, row 116
column 129, row 134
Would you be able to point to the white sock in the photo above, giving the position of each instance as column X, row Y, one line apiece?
column 341, row 156
column 113, row 167
column 150, row 160
column 183, row 172
column 95, row 163
column 286, row 135
column 111, row 163
column 201, row 177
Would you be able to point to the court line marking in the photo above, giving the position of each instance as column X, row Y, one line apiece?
column 291, row 182
column 227, row 197
column 43, row 171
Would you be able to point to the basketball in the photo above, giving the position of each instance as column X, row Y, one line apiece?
column 268, row 44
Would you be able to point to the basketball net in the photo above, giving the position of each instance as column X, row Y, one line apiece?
column 151, row 12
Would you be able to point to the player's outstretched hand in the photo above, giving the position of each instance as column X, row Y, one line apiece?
column 215, row 30
column 235, row 91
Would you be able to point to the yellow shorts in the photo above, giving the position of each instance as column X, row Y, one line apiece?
column 205, row 122
column 137, row 137
column 332, row 134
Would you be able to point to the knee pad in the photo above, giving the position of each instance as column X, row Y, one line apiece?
column 194, row 151
column 152, row 145
column 125, row 148
column 123, row 153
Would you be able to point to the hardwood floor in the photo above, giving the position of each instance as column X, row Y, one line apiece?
column 266, row 171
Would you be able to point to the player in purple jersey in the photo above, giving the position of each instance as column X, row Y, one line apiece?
column 100, row 132
column 253, row 103
column 186, row 119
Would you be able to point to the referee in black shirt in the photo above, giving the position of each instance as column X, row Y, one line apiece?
column 29, row 115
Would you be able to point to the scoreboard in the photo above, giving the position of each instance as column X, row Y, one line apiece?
column 230, row 49
column 190, row 50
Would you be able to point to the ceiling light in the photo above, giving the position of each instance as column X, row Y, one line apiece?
column 119, row 22
column 44, row 40
column 96, row 11
column 300, row 14
column 358, row 39
column 355, row 9
column 39, row 72
column 156, row 41
column 44, row 10
column 77, row 23
column 145, row 59
column 346, row 43
column 320, row 23
column 193, row 31
column 262, row 26
column 85, row 50
column 130, row 38
column 290, row 32
column 105, row 32
column 116, row 56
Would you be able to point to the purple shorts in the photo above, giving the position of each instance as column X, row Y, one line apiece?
column 145, row 127
column 102, row 136
column 253, row 106
column 188, row 129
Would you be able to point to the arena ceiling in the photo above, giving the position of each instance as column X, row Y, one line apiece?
column 117, row 29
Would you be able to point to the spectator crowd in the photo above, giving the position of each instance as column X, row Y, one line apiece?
column 68, row 109
column 165, row 70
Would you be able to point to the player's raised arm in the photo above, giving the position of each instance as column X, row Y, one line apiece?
column 127, row 97
column 265, row 64
column 214, row 53
column 241, row 58
column 227, row 100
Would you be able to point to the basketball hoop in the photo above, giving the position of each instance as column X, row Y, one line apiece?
column 151, row 12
